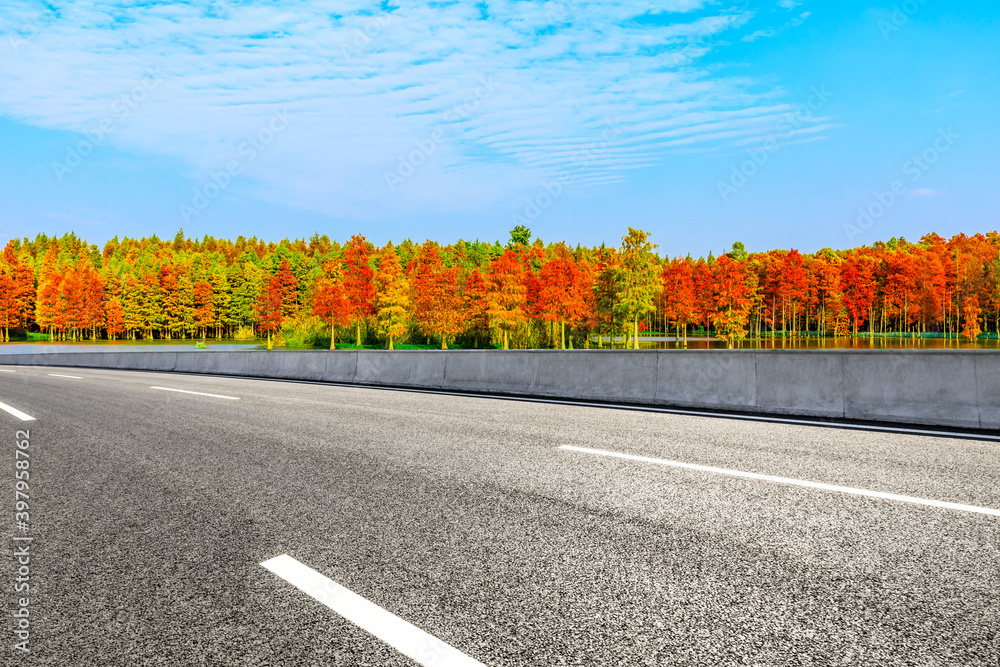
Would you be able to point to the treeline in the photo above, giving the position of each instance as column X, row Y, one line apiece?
column 523, row 294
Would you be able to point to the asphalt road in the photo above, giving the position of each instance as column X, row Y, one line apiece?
column 151, row 512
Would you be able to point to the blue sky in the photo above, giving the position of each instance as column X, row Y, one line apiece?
column 777, row 123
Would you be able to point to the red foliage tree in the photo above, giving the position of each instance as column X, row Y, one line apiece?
column 562, row 292
column 506, row 295
column 204, row 307
column 288, row 286
column 437, row 301
column 730, row 299
column 790, row 287
column 475, row 306
column 359, row 283
column 269, row 309
column 858, row 287
column 330, row 300
column 678, row 301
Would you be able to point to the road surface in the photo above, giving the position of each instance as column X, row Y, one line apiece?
column 460, row 530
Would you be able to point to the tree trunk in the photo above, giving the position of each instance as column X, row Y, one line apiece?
column 333, row 335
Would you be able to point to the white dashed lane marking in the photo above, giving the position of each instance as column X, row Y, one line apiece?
column 197, row 393
column 17, row 413
column 787, row 480
column 406, row 638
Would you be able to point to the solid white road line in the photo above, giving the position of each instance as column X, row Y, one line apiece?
column 74, row 377
column 787, row 480
column 2, row 370
column 197, row 393
column 17, row 413
column 406, row 638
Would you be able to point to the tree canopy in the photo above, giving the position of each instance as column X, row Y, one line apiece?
column 528, row 294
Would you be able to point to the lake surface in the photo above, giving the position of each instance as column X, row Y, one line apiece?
column 816, row 343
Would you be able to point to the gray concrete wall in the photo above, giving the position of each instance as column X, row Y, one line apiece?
column 940, row 387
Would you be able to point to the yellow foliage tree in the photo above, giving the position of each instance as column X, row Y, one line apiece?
column 392, row 296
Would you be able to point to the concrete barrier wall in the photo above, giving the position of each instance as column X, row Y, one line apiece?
column 940, row 387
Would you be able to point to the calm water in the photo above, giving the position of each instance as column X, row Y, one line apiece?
column 807, row 343
column 823, row 344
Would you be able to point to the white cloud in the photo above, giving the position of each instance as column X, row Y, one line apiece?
column 365, row 85
column 775, row 30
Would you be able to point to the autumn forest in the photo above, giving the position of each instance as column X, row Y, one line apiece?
column 524, row 294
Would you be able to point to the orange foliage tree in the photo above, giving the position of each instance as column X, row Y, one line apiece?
column 505, row 298
column 330, row 300
column 358, row 282
column 437, row 303
column 525, row 295
column 562, row 291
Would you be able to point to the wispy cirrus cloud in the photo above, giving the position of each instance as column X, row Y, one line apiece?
column 772, row 31
column 364, row 82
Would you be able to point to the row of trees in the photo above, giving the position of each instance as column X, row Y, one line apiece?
column 523, row 294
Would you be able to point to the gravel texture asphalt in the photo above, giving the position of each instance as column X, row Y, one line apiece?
column 151, row 512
